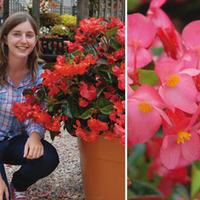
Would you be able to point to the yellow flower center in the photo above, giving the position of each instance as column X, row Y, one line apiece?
column 173, row 81
column 183, row 136
column 145, row 107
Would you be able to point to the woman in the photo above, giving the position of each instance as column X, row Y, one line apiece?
column 21, row 143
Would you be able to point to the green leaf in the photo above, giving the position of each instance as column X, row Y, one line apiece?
column 103, row 117
column 132, row 5
column 157, row 51
column 114, row 44
column 144, row 188
column 66, row 109
column 74, row 107
column 102, row 103
column 112, row 32
column 197, row 164
column 107, row 76
column 195, row 185
column 107, row 109
column 100, row 90
column 148, row 77
column 87, row 114
column 50, row 108
column 104, row 67
column 135, row 153
column 130, row 193
column 137, row 165
column 68, row 125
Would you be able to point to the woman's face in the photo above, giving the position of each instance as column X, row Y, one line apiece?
column 21, row 40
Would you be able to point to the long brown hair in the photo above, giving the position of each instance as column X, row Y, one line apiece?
column 8, row 25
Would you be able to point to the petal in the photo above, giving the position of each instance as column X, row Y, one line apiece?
column 170, row 152
column 160, row 18
column 141, row 126
column 139, row 58
column 190, row 60
column 166, row 67
column 141, row 31
column 164, row 116
column 143, row 57
column 183, row 96
column 130, row 92
column 190, row 71
column 191, row 149
column 148, row 93
column 190, row 35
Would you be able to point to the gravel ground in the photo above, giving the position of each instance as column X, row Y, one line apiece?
column 65, row 182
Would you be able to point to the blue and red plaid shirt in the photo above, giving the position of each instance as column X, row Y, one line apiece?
column 9, row 93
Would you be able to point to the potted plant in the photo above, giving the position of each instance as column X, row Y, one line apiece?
column 163, row 105
column 84, row 93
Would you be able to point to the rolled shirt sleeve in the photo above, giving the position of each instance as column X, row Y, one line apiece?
column 31, row 126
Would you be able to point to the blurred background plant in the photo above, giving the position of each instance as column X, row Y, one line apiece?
column 60, row 30
column 53, row 24
column 69, row 21
column 50, row 19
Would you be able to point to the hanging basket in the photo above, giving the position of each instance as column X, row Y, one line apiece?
column 103, row 169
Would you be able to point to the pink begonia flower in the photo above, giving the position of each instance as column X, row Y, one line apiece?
column 181, row 143
column 177, row 88
column 144, row 114
column 165, row 29
column 141, row 33
column 190, row 36
column 191, row 39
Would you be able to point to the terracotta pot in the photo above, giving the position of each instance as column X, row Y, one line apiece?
column 148, row 197
column 103, row 169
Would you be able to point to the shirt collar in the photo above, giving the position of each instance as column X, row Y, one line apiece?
column 26, row 81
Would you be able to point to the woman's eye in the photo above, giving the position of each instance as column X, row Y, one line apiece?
column 29, row 36
column 17, row 34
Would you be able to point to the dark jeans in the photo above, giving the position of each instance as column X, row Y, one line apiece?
column 11, row 152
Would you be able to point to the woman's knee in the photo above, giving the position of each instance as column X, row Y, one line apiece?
column 50, row 158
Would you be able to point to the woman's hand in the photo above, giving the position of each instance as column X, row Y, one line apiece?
column 3, row 189
column 33, row 148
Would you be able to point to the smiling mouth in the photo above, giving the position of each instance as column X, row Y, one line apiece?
column 22, row 48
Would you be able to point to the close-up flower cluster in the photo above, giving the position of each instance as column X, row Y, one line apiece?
column 163, row 97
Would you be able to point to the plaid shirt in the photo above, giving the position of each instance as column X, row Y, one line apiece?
column 9, row 93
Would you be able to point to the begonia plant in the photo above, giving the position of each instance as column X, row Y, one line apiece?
column 84, row 91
